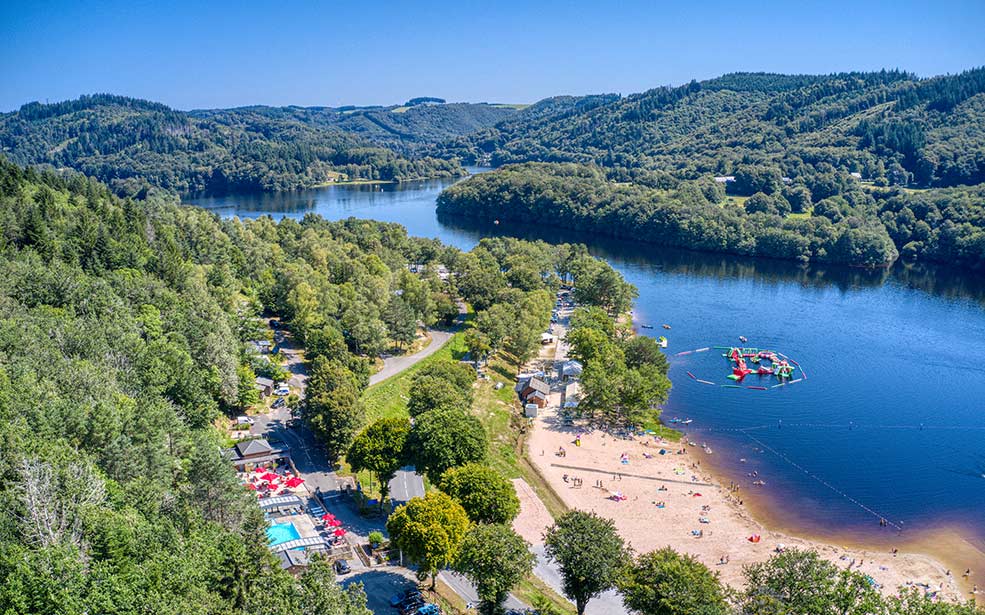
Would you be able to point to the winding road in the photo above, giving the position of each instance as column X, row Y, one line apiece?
column 394, row 365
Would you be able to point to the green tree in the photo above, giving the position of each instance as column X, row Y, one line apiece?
column 441, row 385
column 588, row 551
column 495, row 559
column 597, row 283
column 380, row 449
column 485, row 494
column 431, row 393
column 478, row 344
column 247, row 393
column 803, row 582
column 335, row 416
column 400, row 321
column 443, row 439
column 664, row 582
column 429, row 531
column 320, row 595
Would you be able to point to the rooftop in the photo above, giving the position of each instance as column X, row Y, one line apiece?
column 254, row 447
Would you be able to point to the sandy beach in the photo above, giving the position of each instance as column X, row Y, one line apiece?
column 699, row 516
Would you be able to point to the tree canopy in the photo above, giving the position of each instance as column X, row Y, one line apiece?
column 495, row 559
column 485, row 494
column 589, row 552
column 443, row 439
column 380, row 449
column 429, row 531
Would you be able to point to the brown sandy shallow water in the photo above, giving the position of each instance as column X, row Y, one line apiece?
column 923, row 557
column 955, row 546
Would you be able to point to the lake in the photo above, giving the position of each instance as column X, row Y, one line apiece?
column 889, row 423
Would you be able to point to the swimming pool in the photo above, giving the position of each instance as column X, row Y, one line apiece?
column 281, row 533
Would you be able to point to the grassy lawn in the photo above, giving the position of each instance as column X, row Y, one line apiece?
column 508, row 429
column 389, row 398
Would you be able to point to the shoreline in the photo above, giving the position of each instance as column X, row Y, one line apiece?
column 728, row 525
column 950, row 544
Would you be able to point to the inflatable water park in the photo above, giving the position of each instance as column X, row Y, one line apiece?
column 752, row 368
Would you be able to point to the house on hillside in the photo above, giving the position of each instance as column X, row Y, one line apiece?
column 725, row 179
column 265, row 386
column 250, row 454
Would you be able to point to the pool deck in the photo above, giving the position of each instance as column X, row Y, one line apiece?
column 304, row 524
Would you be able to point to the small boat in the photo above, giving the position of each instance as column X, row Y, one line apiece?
column 646, row 326
column 759, row 483
column 708, row 451
column 686, row 421
column 665, row 326
column 662, row 341
column 742, row 338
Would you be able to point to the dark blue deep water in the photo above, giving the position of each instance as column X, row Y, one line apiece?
column 890, row 421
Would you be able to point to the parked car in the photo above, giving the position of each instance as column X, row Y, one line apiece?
column 397, row 599
column 245, row 420
column 410, row 606
column 342, row 567
column 280, row 401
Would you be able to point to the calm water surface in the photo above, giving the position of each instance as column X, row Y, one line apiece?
column 890, row 421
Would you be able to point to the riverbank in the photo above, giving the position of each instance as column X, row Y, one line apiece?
column 698, row 515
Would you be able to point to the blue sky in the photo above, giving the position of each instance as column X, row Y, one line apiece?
column 220, row 54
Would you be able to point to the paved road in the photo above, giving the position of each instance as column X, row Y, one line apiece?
column 406, row 484
column 394, row 365
column 464, row 588
column 607, row 603
column 294, row 361
column 380, row 584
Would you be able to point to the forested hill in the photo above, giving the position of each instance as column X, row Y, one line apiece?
column 133, row 144
column 888, row 126
column 408, row 129
column 860, row 225
column 125, row 336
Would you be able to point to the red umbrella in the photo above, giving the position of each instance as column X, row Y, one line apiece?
column 327, row 517
column 335, row 523
column 340, row 532
column 269, row 476
column 294, row 482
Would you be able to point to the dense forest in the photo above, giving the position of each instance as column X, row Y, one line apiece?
column 409, row 129
column 853, row 168
column 889, row 127
column 133, row 145
column 692, row 214
column 125, row 338
column 863, row 226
